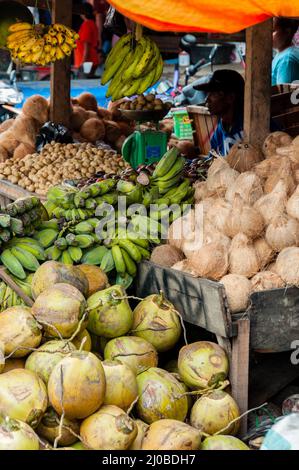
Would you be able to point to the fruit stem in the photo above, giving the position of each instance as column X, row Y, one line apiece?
column 138, row 32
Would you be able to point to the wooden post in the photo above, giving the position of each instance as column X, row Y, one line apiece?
column 61, row 70
column 239, row 369
column 258, row 82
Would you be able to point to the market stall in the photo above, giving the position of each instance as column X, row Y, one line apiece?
column 93, row 285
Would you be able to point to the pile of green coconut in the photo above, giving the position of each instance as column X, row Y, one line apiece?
column 83, row 369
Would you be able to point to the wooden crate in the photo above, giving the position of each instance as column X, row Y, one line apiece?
column 270, row 324
column 204, row 126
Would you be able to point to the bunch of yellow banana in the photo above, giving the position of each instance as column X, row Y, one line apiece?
column 132, row 66
column 40, row 44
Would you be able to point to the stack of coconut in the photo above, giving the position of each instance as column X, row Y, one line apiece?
column 18, row 136
column 91, row 122
column 244, row 228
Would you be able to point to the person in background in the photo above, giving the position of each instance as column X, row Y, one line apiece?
column 285, row 65
column 225, row 99
column 87, row 44
column 100, row 9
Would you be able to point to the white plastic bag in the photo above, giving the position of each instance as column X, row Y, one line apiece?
column 284, row 434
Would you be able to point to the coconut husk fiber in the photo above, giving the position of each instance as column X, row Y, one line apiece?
column 6, row 125
column 22, row 151
column 36, row 107
column 93, row 130
column 88, row 101
column 24, row 130
column 8, row 141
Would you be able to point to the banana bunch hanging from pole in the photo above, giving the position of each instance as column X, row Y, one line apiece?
column 133, row 65
column 40, row 44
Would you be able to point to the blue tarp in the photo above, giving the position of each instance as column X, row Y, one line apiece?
column 77, row 87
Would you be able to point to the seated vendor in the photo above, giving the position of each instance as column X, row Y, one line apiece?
column 225, row 100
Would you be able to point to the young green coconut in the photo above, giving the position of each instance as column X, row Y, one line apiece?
column 121, row 384
column 170, row 434
column 135, row 352
column 203, row 364
column 17, row 435
column 214, row 412
column 221, row 442
column 44, row 359
column 77, row 385
column 110, row 428
column 59, row 309
column 49, row 428
column 23, row 396
column 156, row 320
column 161, row 396
column 110, row 314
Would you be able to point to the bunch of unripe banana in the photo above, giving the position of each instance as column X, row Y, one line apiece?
column 132, row 66
column 40, row 44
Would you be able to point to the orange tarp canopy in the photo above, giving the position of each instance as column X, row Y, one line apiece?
column 225, row 16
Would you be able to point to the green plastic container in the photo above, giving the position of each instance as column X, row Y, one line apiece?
column 182, row 124
column 144, row 148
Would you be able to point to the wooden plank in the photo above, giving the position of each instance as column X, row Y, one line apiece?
column 12, row 191
column 289, row 119
column 239, row 369
column 258, row 82
column 200, row 301
column 275, row 311
column 60, row 106
column 268, row 374
column 282, row 102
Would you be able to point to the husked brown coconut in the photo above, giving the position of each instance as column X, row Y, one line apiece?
column 103, row 113
column 3, row 154
column 8, row 141
column 36, row 107
column 248, row 186
column 210, row 261
column 285, row 174
column 125, row 128
column 266, row 280
column 275, row 140
column 88, row 102
column 113, row 131
column 264, row 252
column 92, row 114
column 282, row 232
column 6, row 125
column 166, row 255
column 93, row 130
column 24, row 130
column 185, row 266
column 78, row 117
column 243, row 259
column 287, row 266
column 243, row 218
column 22, row 151
column 243, row 156
column 273, row 204
column 119, row 143
column 238, row 290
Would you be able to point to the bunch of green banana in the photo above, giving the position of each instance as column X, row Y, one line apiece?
column 167, row 177
column 40, row 44
column 132, row 66
column 22, row 254
column 9, row 298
